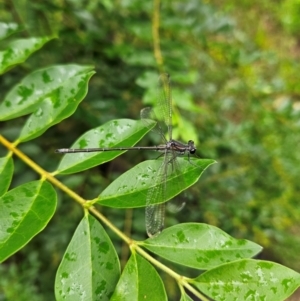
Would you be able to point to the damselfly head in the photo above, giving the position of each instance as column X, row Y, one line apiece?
column 192, row 147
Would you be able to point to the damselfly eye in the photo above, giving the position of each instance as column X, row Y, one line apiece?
column 192, row 151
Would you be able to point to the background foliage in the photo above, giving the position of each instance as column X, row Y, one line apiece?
column 235, row 77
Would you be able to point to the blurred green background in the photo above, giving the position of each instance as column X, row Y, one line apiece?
column 236, row 89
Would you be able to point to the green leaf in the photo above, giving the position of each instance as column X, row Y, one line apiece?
column 6, row 173
column 130, row 189
column 52, row 94
column 115, row 133
column 51, row 84
column 90, row 267
column 18, row 51
column 200, row 246
column 248, row 279
column 139, row 281
column 58, row 105
column 185, row 297
column 184, row 100
column 7, row 29
column 24, row 212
